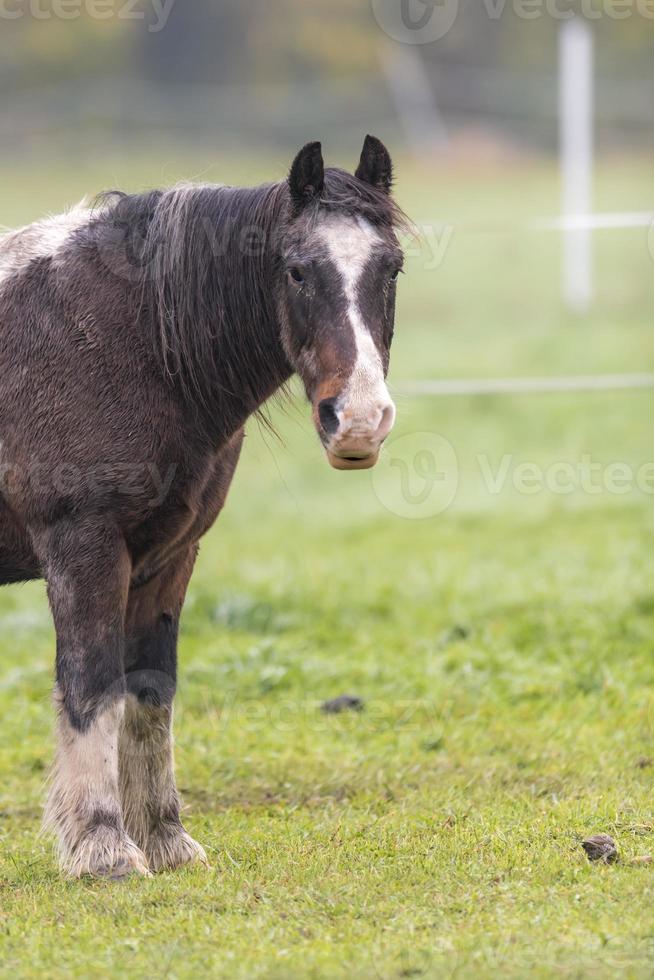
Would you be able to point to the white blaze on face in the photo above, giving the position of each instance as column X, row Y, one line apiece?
column 350, row 243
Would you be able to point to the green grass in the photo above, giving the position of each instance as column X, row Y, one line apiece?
column 502, row 645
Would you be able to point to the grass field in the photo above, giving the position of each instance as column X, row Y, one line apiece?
column 501, row 640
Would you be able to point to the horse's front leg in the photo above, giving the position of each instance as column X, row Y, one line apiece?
column 151, row 804
column 88, row 572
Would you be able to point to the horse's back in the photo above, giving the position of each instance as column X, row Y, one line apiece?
column 83, row 412
column 39, row 240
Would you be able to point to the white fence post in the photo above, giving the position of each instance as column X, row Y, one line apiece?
column 576, row 147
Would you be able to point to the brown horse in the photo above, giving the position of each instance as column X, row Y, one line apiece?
column 136, row 338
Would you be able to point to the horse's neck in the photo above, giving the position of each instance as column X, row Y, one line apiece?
column 249, row 377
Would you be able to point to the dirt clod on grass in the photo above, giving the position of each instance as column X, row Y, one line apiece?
column 346, row 702
column 600, row 847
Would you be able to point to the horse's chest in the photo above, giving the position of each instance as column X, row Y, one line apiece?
column 191, row 500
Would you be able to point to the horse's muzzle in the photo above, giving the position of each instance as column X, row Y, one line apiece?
column 353, row 441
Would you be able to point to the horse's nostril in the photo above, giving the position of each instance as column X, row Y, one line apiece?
column 387, row 421
column 327, row 414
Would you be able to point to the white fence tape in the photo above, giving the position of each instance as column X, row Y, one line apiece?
column 528, row 386
column 611, row 220
column 595, row 222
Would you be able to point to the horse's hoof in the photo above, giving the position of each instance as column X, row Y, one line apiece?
column 169, row 846
column 105, row 853
column 123, row 870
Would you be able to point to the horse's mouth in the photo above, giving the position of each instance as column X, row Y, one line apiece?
column 352, row 461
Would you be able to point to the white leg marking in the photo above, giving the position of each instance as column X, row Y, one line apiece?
column 83, row 807
column 148, row 793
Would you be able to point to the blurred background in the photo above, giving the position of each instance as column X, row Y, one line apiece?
column 494, row 572
column 87, row 76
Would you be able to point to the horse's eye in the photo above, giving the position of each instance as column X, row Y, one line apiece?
column 296, row 275
column 395, row 275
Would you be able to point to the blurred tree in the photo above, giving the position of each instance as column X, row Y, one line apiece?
column 35, row 50
column 202, row 42
column 323, row 37
column 498, row 61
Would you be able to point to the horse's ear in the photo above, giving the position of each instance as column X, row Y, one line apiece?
column 375, row 166
column 307, row 177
